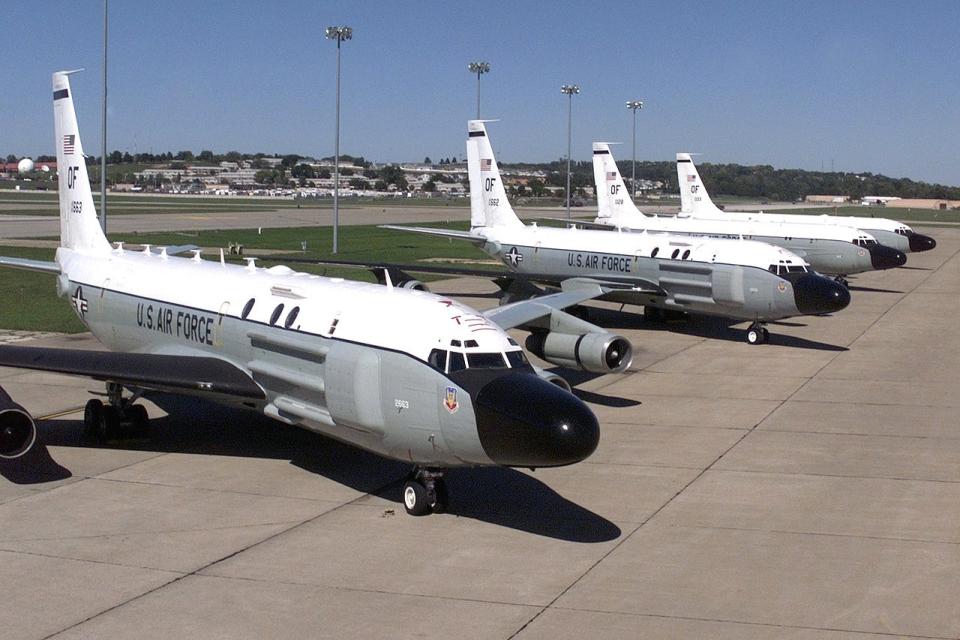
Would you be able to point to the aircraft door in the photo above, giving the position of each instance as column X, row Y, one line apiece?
column 218, row 329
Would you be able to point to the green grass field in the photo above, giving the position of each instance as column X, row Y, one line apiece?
column 30, row 301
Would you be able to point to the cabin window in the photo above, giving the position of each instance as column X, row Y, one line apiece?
column 486, row 361
column 656, row 250
column 437, row 359
column 276, row 313
column 673, row 256
column 247, row 308
column 686, row 254
column 291, row 317
column 456, row 362
column 516, row 359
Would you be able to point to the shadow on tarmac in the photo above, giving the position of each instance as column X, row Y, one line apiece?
column 711, row 327
column 497, row 495
column 871, row 289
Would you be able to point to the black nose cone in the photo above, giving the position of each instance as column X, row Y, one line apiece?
column 920, row 242
column 884, row 257
column 815, row 294
column 524, row 421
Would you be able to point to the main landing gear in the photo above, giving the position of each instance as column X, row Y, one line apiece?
column 757, row 334
column 425, row 491
column 842, row 279
column 104, row 422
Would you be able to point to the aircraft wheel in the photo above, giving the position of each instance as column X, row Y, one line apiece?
column 653, row 314
column 109, row 425
column 415, row 498
column 440, row 496
column 92, row 413
column 137, row 415
column 754, row 336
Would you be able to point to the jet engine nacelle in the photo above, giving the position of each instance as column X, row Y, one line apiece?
column 18, row 433
column 412, row 284
column 553, row 378
column 598, row 352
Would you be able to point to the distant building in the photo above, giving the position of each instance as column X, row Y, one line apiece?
column 826, row 199
column 924, row 203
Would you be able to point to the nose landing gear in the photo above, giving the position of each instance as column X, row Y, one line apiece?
column 757, row 334
column 425, row 491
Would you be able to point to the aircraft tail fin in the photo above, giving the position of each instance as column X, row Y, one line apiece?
column 614, row 205
column 489, row 206
column 79, row 227
column 694, row 199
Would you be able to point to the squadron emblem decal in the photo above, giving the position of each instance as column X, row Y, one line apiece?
column 514, row 257
column 450, row 400
column 79, row 302
column 782, row 286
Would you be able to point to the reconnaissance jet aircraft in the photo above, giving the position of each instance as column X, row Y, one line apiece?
column 695, row 202
column 827, row 248
column 406, row 374
column 730, row 278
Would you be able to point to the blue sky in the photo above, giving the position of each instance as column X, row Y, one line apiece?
column 868, row 86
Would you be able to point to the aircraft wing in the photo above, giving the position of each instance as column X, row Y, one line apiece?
column 443, row 233
column 517, row 313
column 30, row 265
column 195, row 375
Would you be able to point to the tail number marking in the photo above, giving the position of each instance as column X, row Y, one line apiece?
column 76, row 206
column 72, row 176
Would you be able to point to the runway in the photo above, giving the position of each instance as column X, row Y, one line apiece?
column 808, row 488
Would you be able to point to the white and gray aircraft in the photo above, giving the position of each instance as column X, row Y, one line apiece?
column 739, row 279
column 827, row 248
column 406, row 374
column 695, row 202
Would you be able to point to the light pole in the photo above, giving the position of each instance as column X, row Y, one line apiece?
column 478, row 68
column 339, row 34
column 570, row 90
column 633, row 105
column 103, row 131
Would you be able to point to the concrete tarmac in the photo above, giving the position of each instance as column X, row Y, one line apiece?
column 808, row 488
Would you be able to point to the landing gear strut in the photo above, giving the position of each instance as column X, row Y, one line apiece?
column 842, row 279
column 425, row 491
column 103, row 422
column 757, row 334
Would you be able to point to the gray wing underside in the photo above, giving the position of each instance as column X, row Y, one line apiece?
column 196, row 375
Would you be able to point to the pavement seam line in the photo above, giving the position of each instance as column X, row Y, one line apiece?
column 720, row 457
column 218, row 561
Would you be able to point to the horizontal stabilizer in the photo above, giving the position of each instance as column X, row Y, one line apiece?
column 30, row 265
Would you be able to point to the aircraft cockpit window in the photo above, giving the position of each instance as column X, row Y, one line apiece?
column 656, row 250
column 456, row 362
column 516, row 359
column 796, row 268
column 673, row 255
column 686, row 254
column 437, row 359
column 513, row 342
column 276, row 313
column 471, row 343
column 454, row 343
column 291, row 317
column 486, row 361
column 247, row 308
column 774, row 269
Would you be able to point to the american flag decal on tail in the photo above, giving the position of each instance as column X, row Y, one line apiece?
column 485, row 164
column 68, row 144
column 611, row 175
column 691, row 178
